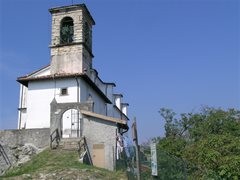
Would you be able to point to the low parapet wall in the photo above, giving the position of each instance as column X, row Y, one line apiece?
column 19, row 145
column 38, row 137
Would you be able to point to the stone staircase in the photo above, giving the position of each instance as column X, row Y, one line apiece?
column 71, row 144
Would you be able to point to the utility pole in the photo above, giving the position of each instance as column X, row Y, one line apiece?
column 135, row 139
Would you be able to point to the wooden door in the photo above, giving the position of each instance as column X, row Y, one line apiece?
column 98, row 155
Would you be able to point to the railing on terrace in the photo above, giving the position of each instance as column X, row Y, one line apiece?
column 83, row 149
column 54, row 137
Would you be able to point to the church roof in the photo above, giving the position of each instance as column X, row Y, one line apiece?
column 121, row 122
column 25, row 79
column 39, row 70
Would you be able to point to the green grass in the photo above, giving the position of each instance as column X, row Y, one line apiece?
column 57, row 161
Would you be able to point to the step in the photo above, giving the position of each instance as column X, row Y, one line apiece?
column 69, row 143
column 71, row 139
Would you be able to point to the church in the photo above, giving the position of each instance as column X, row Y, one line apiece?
column 68, row 95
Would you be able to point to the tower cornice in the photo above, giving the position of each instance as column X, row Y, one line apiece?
column 72, row 8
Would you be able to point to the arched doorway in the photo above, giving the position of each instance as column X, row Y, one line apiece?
column 71, row 123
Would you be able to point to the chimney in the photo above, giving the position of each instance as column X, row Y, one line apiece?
column 117, row 100
column 125, row 108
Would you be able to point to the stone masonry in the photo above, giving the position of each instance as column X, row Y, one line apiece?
column 75, row 57
column 20, row 145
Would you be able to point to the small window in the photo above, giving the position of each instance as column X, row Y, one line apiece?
column 64, row 91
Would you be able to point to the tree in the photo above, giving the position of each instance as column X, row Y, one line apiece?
column 209, row 139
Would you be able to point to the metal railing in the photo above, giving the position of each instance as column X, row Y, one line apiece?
column 4, row 155
column 54, row 137
column 82, row 147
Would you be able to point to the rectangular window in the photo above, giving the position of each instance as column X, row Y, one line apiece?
column 64, row 91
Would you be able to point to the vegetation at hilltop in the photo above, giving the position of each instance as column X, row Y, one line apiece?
column 59, row 164
column 206, row 142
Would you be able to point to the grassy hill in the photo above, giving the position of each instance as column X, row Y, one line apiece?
column 58, row 164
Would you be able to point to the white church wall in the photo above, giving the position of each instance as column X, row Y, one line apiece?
column 22, row 113
column 116, row 113
column 22, row 118
column 110, row 96
column 99, row 103
column 71, row 85
column 125, row 108
column 23, row 96
column 118, row 101
column 41, row 93
column 100, row 85
column 40, row 96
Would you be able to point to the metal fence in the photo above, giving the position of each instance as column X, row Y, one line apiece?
column 169, row 166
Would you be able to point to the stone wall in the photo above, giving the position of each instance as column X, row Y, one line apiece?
column 38, row 137
column 20, row 145
column 98, row 131
column 75, row 57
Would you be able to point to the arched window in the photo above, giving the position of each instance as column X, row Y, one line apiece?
column 66, row 30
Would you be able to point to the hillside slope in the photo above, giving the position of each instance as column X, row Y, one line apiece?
column 59, row 164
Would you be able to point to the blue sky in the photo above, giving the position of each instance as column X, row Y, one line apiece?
column 178, row 54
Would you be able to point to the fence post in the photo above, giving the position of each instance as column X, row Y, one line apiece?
column 135, row 139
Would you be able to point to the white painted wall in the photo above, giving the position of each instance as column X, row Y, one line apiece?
column 125, row 109
column 100, row 85
column 22, row 96
column 39, row 94
column 22, row 113
column 99, row 103
column 23, row 119
column 116, row 113
column 118, row 101
column 110, row 97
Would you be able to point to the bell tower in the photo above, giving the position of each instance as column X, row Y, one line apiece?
column 71, row 39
